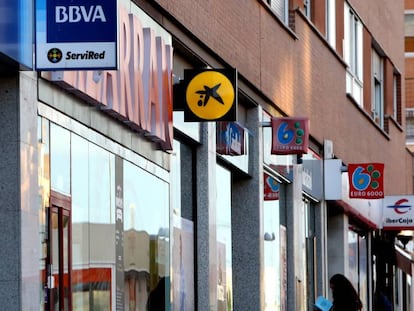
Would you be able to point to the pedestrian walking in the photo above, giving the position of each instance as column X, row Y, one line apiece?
column 345, row 297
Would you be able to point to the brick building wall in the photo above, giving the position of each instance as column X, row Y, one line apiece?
column 298, row 73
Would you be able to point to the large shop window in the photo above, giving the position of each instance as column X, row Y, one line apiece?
column 105, row 226
column 358, row 264
column 182, row 278
column 275, row 265
column 224, row 244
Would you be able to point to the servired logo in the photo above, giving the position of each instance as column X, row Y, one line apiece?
column 400, row 206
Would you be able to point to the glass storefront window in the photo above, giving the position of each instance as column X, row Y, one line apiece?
column 224, row 245
column 146, row 236
column 86, row 174
column 44, row 193
column 93, row 242
column 358, row 275
column 60, row 159
column 182, row 248
column 272, row 259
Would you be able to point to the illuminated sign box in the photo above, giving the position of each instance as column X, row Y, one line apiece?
column 366, row 180
column 398, row 212
column 140, row 98
column 16, row 35
column 210, row 95
column 230, row 138
column 290, row 135
column 76, row 34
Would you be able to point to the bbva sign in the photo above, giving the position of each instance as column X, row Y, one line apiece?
column 76, row 14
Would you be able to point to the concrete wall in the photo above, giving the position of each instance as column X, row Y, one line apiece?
column 19, row 224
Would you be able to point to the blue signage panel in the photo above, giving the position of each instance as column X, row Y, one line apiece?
column 16, row 31
column 76, row 34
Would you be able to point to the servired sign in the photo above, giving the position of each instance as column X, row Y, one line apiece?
column 76, row 34
column 366, row 180
column 140, row 93
column 290, row 135
column 398, row 213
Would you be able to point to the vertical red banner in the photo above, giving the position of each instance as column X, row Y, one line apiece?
column 366, row 180
column 290, row 135
column 271, row 188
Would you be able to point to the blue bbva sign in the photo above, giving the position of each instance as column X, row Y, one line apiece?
column 76, row 34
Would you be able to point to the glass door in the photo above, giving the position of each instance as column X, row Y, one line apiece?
column 59, row 254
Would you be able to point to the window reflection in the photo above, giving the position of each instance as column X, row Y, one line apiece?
column 224, row 245
column 93, row 227
column 100, row 185
column 146, row 237
column 271, row 225
column 86, row 173
column 60, row 159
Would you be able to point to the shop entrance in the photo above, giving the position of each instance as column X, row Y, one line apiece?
column 58, row 261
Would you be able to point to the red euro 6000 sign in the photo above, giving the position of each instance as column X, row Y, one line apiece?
column 290, row 135
column 366, row 181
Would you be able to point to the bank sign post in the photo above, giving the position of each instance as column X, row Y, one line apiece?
column 76, row 34
column 398, row 212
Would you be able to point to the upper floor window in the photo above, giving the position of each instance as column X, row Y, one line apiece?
column 409, row 31
column 331, row 22
column 396, row 99
column 377, row 106
column 280, row 7
column 307, row 8
column 353, row 43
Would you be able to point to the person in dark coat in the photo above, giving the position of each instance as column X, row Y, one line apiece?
column 345, row 297
column 156, row 299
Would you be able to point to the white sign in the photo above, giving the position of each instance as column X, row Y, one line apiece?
column 76, row 34
column 398, row 212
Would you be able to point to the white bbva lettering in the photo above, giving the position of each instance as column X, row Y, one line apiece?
column 75, row 14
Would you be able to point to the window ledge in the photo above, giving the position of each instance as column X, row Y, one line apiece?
column 395, row 122
column 320, row 35
column 366, row 114
column 284, row 25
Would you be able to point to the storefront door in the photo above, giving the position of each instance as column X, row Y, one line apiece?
column 59, row 254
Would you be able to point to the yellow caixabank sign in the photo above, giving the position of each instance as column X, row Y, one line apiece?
column 210, row 95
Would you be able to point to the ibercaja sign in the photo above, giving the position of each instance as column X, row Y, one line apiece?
column 398, row 212
column 76, row 34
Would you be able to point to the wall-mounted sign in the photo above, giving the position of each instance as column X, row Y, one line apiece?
column 398, row 213
column 76, row 34
column 290, row 135
column 210, row 95
column 16, row 34
column 140, row 92
column 366, row 181
column 271, row 188
column 230, row 138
